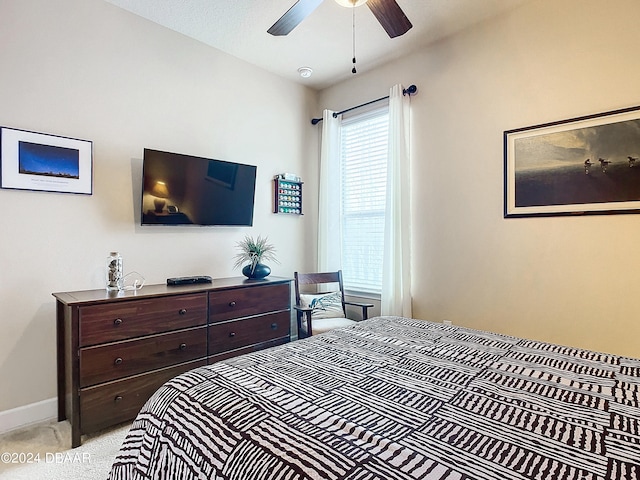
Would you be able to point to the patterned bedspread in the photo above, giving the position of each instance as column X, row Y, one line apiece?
column 394, row 398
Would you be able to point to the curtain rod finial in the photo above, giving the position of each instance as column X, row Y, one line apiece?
column 410, row 90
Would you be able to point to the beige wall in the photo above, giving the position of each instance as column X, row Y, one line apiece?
column 86, row 69
column 572, row 281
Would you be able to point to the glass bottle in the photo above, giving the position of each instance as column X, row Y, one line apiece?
column 114, row 272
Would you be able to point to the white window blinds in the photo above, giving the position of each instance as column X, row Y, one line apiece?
column 364, row 177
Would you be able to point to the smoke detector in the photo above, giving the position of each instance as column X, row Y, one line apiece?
column 305, row 72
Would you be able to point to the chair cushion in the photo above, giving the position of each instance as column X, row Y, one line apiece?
column 326, row 305
column 322, row 325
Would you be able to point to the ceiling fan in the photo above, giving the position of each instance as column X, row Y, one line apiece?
column 388, row 13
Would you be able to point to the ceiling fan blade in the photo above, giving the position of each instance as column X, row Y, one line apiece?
column 390, row 16
column 293, row 17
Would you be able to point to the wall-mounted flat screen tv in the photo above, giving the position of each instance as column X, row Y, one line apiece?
column 182, row 189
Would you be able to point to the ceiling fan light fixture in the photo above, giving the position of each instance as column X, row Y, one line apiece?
column 351, row 3
column 305, row 72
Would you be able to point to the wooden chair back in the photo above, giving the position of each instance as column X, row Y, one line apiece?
column 317, row 279
column 302, row 280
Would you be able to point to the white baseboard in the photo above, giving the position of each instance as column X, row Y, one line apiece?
column 26, row 415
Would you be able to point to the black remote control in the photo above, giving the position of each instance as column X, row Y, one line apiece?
column 189, row 280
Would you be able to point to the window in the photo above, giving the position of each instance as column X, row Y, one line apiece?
column 364, row 181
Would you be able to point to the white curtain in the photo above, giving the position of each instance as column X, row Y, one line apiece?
column 329, row 196
column 396, row 267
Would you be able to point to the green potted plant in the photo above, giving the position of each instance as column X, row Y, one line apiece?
column 255, row 251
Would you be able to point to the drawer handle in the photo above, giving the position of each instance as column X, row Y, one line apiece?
column 118, row 399
column 183, row 346
column 117, row 361
column 274, row 326
column 182, row 311
column 117, row 321
column 232, row 334
column 232, row 304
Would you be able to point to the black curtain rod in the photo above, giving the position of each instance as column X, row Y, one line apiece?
column 410, row 90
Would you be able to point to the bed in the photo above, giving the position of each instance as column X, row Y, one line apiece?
column 394, row 398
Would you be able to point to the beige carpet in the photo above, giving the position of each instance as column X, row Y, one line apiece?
column 47, row 447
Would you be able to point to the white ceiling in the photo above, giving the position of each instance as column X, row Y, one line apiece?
column 323, row 41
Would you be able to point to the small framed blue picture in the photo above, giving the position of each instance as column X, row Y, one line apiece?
column 50, row 163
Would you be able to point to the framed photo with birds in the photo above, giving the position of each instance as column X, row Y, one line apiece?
column 585, row 165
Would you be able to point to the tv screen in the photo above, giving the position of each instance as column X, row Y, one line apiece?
column 182, row 189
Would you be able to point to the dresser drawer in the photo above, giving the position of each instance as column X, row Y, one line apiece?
column 116, row 402
column 116, row 360
column 251, row 348
column 248, row 331
column 243, row 302
column 133, row 318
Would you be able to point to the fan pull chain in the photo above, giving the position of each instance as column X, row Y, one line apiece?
column 353, row 23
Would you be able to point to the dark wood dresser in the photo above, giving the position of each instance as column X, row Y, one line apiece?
column 115, row 349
